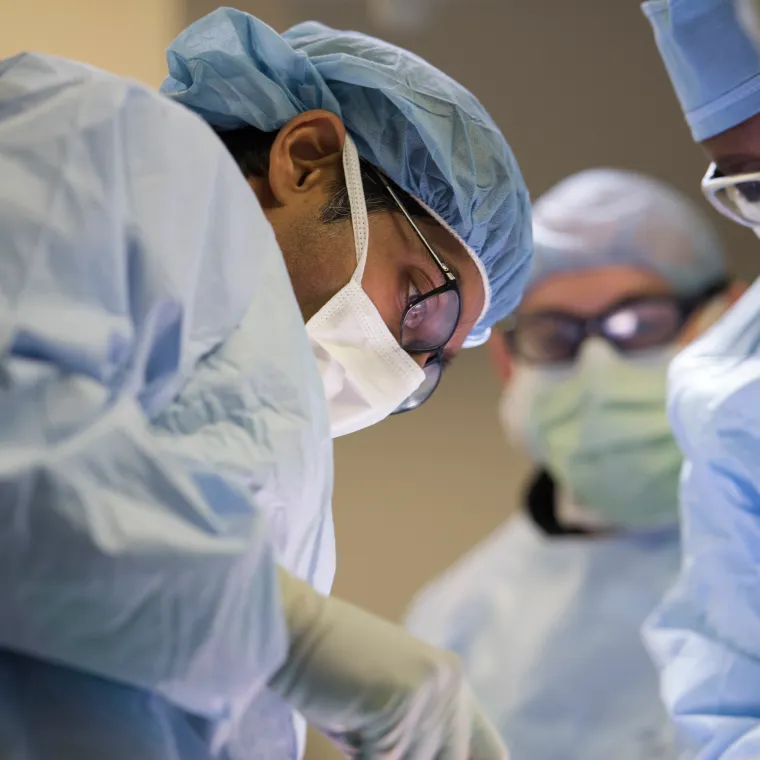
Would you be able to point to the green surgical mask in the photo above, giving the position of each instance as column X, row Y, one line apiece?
column 601, row 429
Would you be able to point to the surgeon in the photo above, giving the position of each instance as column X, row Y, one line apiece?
column 545, row 614
column 706, row 635
column 198, row 291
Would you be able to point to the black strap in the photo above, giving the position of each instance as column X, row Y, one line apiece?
column 541, row 504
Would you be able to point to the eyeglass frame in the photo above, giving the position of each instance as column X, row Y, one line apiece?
column 711, row 185
column 593, row 326
column 449, row 285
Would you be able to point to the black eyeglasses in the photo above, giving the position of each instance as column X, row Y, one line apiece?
column 635, row 324
column 429, row 320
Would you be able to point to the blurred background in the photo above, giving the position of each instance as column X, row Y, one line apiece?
column 573, row 85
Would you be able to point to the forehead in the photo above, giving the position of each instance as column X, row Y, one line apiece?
column 591, row 291
column 737, row 150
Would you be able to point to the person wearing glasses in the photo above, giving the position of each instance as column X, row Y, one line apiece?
column 199, row 289
column 705, row 637
column 546, row 613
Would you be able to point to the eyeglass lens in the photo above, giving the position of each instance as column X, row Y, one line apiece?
column 433, row 371
column 429, row 323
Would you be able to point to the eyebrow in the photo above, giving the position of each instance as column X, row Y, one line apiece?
column 619, row 304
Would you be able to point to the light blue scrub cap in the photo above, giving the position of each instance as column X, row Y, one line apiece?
column 713, row 64
column 428, row 133
column 604, row 217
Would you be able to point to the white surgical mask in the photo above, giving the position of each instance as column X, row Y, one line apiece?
column 365, row 372
column 601, row 429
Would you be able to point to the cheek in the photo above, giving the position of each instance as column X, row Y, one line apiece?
column 384, row 276
column 382, row 283
column 320, row 260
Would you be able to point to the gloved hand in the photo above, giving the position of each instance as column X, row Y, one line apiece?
column 379, row 693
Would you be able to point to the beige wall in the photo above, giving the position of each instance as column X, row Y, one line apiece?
column 126, row 38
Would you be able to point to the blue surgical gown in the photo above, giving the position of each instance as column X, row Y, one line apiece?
column 164, row 440
column 547, row 630
column 706, row 635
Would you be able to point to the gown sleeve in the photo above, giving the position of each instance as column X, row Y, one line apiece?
column 125, row 249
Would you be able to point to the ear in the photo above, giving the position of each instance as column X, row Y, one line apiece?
column 306, row 154
column 711, row 312
column 734, row 292
column 501, row 356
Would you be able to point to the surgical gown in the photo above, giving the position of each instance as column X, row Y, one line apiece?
column 548, row 631
column 706, row 634
column 164, row 439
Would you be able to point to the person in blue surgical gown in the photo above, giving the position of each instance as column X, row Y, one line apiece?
column 546, row 613
column 705, row 637
column 199, row 289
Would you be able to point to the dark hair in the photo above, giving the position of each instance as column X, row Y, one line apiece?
column 540, row 500
column 250, row 147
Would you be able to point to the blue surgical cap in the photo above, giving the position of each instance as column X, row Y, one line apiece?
column 609, row 217
column 712, row 62
column 428, row 133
